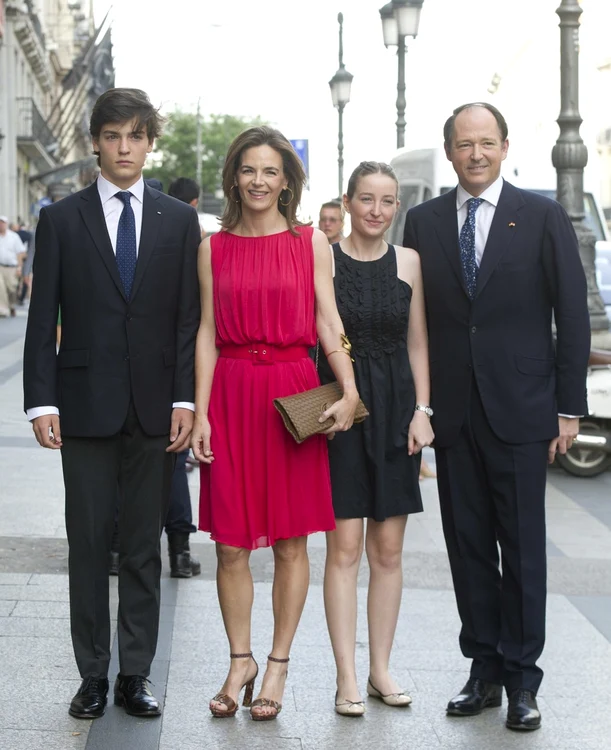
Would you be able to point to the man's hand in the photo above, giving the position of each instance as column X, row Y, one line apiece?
column 568, row 430
column 47, row 431
column 180, row 430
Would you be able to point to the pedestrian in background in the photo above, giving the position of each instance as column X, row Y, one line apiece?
column 266, row 291
column 331, row 221
column 375, row 466
column 12, row 253
column 26, row 267
column 497, row 262
column 120, row 259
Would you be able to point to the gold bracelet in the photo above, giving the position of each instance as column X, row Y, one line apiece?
column 340, row 351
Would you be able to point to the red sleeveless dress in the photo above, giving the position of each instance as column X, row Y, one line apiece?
column 262, row 485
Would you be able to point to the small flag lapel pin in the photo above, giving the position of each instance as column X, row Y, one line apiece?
column 512, row 224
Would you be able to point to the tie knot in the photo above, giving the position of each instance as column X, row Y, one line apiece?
column 473, row 204
column 124, row 196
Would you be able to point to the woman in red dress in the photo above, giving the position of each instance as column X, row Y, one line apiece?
column 266, row 292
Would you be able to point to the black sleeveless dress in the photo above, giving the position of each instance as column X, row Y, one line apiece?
column 372, row 474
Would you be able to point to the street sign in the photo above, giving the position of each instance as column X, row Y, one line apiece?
column 301, row 147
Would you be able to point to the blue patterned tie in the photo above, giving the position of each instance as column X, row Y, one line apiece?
column 467, row 246
column 126, row 242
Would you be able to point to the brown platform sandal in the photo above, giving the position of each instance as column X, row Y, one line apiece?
column 227, row 700
column 267, row 701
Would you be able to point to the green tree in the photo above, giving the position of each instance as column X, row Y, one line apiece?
column 175, row 151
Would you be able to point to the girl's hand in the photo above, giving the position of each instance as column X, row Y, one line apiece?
column 342, row 412
column 200, row 439
column 420, row 433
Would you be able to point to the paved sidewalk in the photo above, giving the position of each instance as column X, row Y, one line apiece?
column 39, row 675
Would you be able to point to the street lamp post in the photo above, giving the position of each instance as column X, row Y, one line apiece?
column 340, row 94
column 400, row 19
column 570, row 155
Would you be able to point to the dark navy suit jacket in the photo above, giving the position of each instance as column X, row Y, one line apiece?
column 530, row 269
column 113, row 350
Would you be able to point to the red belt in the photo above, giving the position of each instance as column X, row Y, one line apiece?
column 264, row 354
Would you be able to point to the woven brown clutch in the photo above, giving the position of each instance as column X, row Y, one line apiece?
column 301, row 412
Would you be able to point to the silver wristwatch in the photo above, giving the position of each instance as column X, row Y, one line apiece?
column 426, row 409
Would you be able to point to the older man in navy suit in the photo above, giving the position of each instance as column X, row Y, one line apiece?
column 497, row 263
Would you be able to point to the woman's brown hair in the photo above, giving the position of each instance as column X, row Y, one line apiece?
column 291, row 165
column 369, row 167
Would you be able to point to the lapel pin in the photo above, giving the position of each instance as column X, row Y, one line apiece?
column 159, row 212
column 512, row 223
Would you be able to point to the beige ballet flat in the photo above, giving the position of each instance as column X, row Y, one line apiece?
column 399, row 700
column 349, row 708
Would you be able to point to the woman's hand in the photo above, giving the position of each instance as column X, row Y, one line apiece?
column 420, row 433
column 200, row 439
column 342, row 412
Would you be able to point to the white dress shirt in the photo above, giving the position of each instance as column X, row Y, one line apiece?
column 483, row 221
column 483, row 216
column 112, row 208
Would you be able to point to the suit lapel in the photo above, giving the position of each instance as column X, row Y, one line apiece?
column 93, row 215
column 447, row 231
column 502, row 232
column 151, row 225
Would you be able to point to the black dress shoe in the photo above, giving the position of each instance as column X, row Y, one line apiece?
column 133, row 694
column 113, row 563
column 474, row 697
column 90, row 699
column 523, row 712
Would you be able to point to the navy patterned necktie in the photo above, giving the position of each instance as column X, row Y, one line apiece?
column 467, row 246
column 126, row 242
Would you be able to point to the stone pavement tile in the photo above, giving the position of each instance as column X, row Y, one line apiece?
column 44, row 511
column 436, row 686
column 33, row 593
column 46, row 716
column 488, row 731
column 15, row 739
column 15, row 579
column 50, row 669
column 34, row 650
column 42, row 609
column 19, row 687
column 44, row 627
column 228, row 740
column 321, row 728
column 6, row 608
column 49, row 581
column 597, row 549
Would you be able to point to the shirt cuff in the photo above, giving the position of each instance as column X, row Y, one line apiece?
column 41, row 411
column 183, row 405
column 571, row 416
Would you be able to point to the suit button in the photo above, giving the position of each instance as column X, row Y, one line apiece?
column 473, row 329
column 126, row 357
column 128, row 318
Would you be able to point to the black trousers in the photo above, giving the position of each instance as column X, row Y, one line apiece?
column 180, row 515
column 492, row 496
column 93, row 467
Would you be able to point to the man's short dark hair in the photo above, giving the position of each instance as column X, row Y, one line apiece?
column 154, row 183
column 123, row 105
column 184, row 189
column 448, row 128
column 332, row 204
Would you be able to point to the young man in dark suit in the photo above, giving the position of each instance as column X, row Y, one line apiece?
column 119, row 259
column 497, row 262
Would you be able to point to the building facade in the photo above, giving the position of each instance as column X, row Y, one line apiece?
column 52, row 62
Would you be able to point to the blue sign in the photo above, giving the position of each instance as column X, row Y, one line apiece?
column 301, row 147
